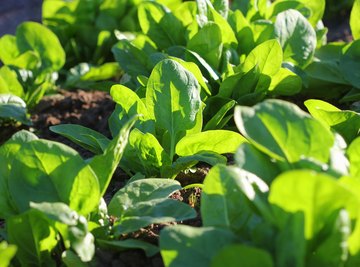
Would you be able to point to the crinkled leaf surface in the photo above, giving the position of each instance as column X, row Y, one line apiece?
column 296, row 35
column 146, row 201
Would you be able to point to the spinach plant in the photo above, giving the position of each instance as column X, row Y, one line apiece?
column 278, row 196
column 168, row 137
column 31, row 61
column 51, row 200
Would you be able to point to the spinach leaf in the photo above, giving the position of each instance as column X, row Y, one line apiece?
column 143, row 202
column 249, row 256
column 7, row 252
column 346, row 122
column 349, row 62
column 180, row 242
column 283, row 131
column 34, row 238
column 173, row 100
column 222, row 141
column 37, row 175
column 355, row 13
column 296, row 36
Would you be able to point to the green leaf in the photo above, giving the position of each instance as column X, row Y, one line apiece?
column 144, row 154
column 70, row 259
column 139, row 191
column 59, row 212
column 7, row 252
column 32, row 36
column 225, row 195
column 346, row 122
column 218, row 120
column 353, row 153
column 336, row 243
column 290, row 243
column 317, row 10
column 46, row 171
column 310, row 194
column 120, row 245
column 350, row 61
column 10, row 54
column 144, row 202
column 34, row 238
column 85, row 137
column 104, row 165
column 159, row 24
column 133, row 60
column 13, row 107
column 173, row 100
column 207, row 42
column 76, row 234
column 283, row 131
column 87, row 74
column 267, row 56
column 250, row 257
column 243, row 31
column 219, row 141
column 285, row 82
column 9, row 83
column 354, row 20
column 183, row 245
column 129, row 104
column 296, row 36
column 249, row 158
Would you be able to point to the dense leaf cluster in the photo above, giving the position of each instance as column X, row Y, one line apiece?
column 192, row 81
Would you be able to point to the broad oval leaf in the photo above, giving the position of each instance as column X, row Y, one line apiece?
column 219, row 141
column 297, row 37
column 141, row 191
column 225, row 197
column 32, row 36
column 46, row 171
column 283, row 131
column 267, row 56
column 312, row 195
column 207, row 42
column 173, row 99
column 159, row 23
column 345, row 122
